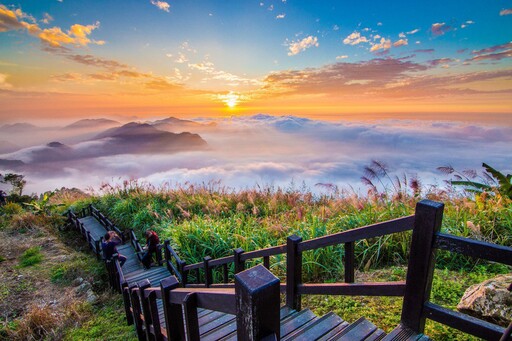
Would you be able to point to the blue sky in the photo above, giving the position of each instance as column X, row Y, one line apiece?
column 214, row 56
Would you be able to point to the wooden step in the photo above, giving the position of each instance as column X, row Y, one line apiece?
column 318, row 328
column 362, row 329
column 402, row 333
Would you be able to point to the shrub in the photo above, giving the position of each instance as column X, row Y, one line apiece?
column 31, row 256
column 11, row 208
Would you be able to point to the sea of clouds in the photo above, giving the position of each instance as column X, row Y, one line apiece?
column 264, row 150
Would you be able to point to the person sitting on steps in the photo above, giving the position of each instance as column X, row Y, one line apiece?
column 109, row 246
column 151, row 248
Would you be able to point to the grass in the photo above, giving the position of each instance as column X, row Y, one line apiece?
column 107, row 322
column 31, row 256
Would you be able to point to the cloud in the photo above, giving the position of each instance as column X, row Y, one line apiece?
column 424, row 51
column 441, row 61
column 400, row 42
column 491, row 53
column 164, row 6
column 354, row 38
column 341, row 57
column 507, row 11
column 267, row 149
column 493, row 56
column 439, row 29
column 416, row 30
column 55, row 37
column 299, row 46
column 280, row 16
column 4, row 84
column 91, row 60
column 47, row 19
column 494, row 48
column 383, row 45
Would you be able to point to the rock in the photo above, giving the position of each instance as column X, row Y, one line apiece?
column 91, row 297
column 489, row 300
column 83, row 288
column 77, row 281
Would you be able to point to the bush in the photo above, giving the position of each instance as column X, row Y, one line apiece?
column 11, row 208
column 31, row 256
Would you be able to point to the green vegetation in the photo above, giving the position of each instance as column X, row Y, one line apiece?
column 31, row 256
column 104, row 323
column 211, row 220
column 490, row 181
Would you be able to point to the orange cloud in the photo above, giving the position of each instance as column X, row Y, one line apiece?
column 77, row 34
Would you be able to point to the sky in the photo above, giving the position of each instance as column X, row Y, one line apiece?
column 328, row 60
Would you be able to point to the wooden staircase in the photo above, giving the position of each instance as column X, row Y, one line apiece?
column 163, row 305
column 294, row 325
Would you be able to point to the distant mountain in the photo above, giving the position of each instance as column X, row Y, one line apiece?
column 173, row 124
column 144, row 138
column 93, row 123
column 11, row 164
column 18, row 127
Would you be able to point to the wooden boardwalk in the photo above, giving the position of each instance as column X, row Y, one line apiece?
column 133, row 270
column 163, row 305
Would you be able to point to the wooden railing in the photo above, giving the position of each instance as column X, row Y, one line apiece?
column 107, row 223
column 141, row 300
column 256, row 293
column 426, row 239
column 293, row 249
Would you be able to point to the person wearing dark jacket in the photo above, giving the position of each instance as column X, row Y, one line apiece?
column 109, row 246
column 151, row 248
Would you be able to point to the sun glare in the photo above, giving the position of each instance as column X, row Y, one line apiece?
column 231, row 99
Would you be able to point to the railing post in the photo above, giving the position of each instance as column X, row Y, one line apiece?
column 159, row 254
column 146, row 312
column 127, row 305
column 427, row 222
column 225, row 273
column 183, row 273
column 208, row 272
column 134, row 297
column 167, row 254
column 349, row 262
column 98, row 250
column 172, row 312
column 257, row 304
column 155, row 319
column 293, row 272
column 239, row 263
column 190, row 314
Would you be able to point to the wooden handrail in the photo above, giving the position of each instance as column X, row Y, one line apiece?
column 365, row 232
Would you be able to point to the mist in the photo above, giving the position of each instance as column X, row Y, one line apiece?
column 248, row 151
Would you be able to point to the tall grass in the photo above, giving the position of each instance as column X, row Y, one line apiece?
column 211, row 220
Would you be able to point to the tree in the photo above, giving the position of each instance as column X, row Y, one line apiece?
column 17, row 182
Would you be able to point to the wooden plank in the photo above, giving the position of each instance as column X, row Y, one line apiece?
column 376, row 335
column 296, row 321
column 365, row 232
column 354, row 289
column 217, row 323
column 271, row 251
column 334, row 331
column 358, row 330
column 321, row 327
column 465, row 323
column 474, row 248
column 221, row 332
column 291, row 335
